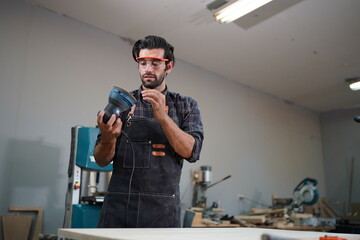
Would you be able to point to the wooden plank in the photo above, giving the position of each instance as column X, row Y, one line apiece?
column 197, row 218
column 16, row 227
column 268, row 211
column 256, row 219
column 302, row 215
column 39, row 218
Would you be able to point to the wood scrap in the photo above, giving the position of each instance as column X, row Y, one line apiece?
column 257, row 219
column 328, row 210
column 279, row 217
column 16, row 227
column 38, row 218
column 283, row 224
column 265, row 217
column 196, row 209
column 301, row 215
column 242, row 223
column 209, row 222
column 322, row 209
column 268, row 211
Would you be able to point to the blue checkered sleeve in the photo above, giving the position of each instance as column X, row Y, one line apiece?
column 191, row 123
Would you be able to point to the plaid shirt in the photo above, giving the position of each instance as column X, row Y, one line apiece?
column 183, row 111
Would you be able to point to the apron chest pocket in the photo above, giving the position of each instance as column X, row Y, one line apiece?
column 138, row 152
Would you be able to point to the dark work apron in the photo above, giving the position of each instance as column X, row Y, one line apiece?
column 144, row 188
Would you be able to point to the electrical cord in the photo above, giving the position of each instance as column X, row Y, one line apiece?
column 131, row 175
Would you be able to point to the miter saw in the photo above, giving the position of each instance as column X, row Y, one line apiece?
column 305, row 193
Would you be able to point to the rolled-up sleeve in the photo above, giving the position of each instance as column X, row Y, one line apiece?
column 192, row 125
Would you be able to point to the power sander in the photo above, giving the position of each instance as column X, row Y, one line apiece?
column 120, row 101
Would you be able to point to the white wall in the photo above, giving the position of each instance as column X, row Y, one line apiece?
column 341, row 145
column 56, row 73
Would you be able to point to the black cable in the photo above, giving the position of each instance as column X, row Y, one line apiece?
column 131, row 175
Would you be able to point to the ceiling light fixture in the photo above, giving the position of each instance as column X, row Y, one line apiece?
column 235, row 9
column 354, row 83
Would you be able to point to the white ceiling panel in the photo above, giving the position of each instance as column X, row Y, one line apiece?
column 297, row 50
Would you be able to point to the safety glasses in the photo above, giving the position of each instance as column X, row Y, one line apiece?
column 154, row 62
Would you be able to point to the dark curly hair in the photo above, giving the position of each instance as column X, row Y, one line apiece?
column 151, row 42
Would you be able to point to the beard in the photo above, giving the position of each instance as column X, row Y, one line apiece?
column 152, row 84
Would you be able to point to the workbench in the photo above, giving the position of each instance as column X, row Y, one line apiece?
column 194, row 234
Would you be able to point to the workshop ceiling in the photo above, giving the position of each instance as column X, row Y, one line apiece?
column 297, row 50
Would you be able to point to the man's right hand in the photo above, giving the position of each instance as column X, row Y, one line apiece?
column 111, row 130
column 104, row 152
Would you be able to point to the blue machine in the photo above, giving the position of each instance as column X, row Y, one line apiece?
column 86, row 138
column 85, row 215
column 85, row 179
column 306, row 192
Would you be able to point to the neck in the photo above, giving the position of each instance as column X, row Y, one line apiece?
column 160, row 88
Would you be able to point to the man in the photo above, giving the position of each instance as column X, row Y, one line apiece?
column 148, row 147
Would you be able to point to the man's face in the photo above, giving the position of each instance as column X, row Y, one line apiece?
column 153, row 71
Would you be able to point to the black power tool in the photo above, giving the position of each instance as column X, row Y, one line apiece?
column 120, row 101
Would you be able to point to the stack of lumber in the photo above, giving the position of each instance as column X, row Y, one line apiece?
column 286, row 218
column 322, row 209
column 194, row 217
column 265, row 216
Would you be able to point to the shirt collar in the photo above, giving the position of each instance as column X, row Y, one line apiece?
column 165, row 92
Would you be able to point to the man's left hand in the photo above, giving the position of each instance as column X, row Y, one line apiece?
column 158, row 102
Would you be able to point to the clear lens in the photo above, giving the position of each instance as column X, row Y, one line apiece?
column 154, row 63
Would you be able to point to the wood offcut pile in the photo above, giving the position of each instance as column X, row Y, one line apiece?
column 285, row 218
column 263, row 217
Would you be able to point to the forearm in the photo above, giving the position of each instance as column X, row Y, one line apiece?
column 181, row 141
column 104, row 152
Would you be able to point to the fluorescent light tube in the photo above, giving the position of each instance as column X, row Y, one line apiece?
column 355, row 86
column 236, row 9
column 354, row 83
